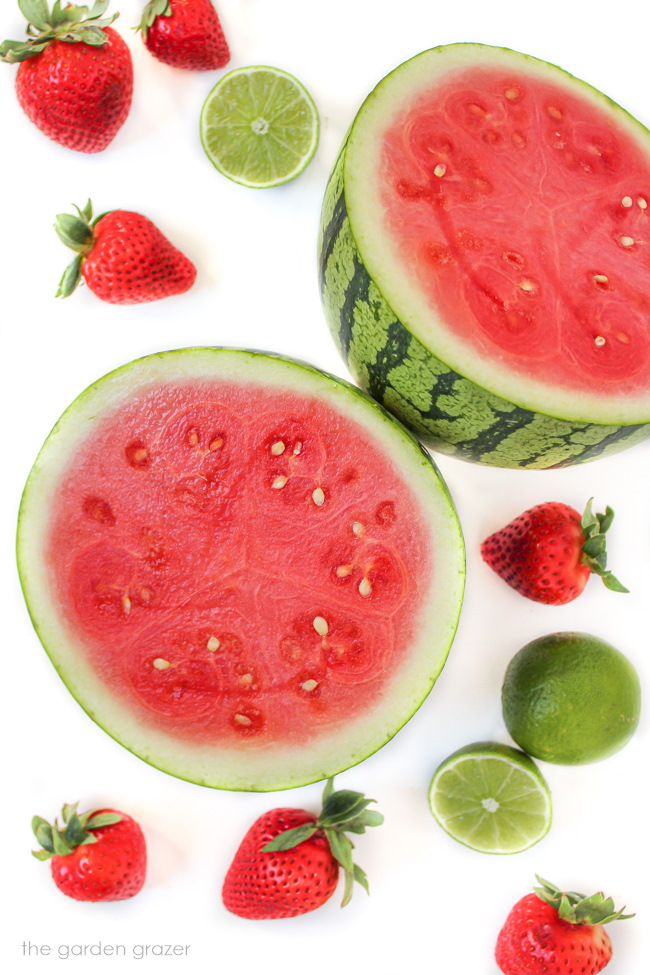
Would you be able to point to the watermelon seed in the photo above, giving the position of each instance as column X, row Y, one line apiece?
column 527, row 285
column 554, row 112
column 626, row 201
column 477, row 109
column 518, row 140
column 297, row 448
column 622, row 337
column 364, row 587
column 126, row 604
column 161, row 664
column 193, row 438
column 242, row 719
column 277, row 448
column 309, row 685
column 246, row 679
column 512, row 257
column 626, row 241
column 642, row 204
column 358, row 528
column 145, row 595
column 213, row 644
column 343, row 570
column 601, row 279
column 512, row 94
column 279, row 482
column 318, row 496
column 320, row 625
column 137, row 454
column 599, row 341
column 216, row 444
column 440, row 170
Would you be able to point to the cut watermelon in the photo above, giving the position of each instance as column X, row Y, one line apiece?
column 243, row 569
column 485, row 258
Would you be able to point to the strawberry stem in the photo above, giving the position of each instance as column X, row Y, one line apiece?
column 76, row 831
column 65, row 22
column 576, row 908
column 594, row 550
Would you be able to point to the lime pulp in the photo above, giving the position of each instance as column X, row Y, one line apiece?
column 259, row 126
column 492, row 798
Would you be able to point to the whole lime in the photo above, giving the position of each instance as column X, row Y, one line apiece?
column 570, row 698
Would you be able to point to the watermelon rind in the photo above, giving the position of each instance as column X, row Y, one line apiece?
column 252, row 768
column 455, row 401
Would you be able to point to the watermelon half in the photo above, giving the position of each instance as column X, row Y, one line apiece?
column 485, row 258
column 243, row 569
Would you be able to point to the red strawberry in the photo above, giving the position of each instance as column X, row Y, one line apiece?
column 549, row 552
column 552, row 931
column 122, row 256
column 185, row 34
column 98, row 856
column 75, row 79
column 288, row 862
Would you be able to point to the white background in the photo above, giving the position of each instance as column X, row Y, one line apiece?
column 434, row 905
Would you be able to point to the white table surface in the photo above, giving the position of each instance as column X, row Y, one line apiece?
column 435, row 905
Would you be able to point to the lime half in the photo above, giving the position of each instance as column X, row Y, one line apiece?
column 492, row 798
column 259, row 126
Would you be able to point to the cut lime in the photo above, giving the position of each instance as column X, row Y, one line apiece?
column 259, row 126
column 492, row 798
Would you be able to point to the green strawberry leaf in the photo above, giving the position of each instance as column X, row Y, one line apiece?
column 361, row 878
column 594, row 552
column 155, row 8
column 68, row 811
column 290, row 838
column 12, row 52
column 341, row 848
column 328, row 790
column 74, row 831
column 611, row 582
column 70, row 278
column 342, row 806
column 35, row 12
column 103, row 819
column 61, row 847
column 92, row 36
column 369, row 817
column 43, row 833
column 575, row 908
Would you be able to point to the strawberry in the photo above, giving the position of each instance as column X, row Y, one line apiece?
column 185, row 34
column 97, row 856
column 75, row 77
column 552, row 931
column 122, row 256
column 549, row 552
column 288, row 862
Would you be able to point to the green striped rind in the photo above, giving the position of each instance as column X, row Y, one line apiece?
column 245, row 767
column 450, row 413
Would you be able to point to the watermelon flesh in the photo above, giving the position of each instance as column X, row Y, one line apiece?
column 523, row 218
column 484, row 263
column 236, row 575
